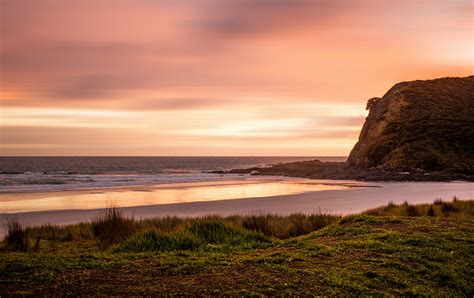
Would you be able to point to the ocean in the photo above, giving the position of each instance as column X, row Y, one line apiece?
column 139, row 165
column 29, row 174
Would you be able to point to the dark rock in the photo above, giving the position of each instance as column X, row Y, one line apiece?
column 420, row 126
column 11, row 172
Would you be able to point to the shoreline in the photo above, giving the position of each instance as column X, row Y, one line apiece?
column 145, row 181
column 150, row 185
column 162, row 194
column 247, row 179
column 342, row 202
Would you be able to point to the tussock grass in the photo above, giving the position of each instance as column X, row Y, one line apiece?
column 284, row 227
column 388, row 255
column 440, row 208
column 17, row 236
column 276, row 226
column 271, row 225
column 111, row 226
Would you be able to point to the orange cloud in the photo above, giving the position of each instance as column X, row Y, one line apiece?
column 240, row 67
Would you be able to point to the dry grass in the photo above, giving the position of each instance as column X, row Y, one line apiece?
column 17, row 236
column 284, row 227
column 111, row 226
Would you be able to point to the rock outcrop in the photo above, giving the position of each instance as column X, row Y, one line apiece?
column 424, row 125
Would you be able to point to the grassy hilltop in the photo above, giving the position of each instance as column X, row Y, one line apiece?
column 426, row 125
column 396, row 249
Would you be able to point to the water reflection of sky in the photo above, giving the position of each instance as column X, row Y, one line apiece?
column 194, row 192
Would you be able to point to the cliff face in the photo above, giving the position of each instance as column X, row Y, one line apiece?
column 425, row 125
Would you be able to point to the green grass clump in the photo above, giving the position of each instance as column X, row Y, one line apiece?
column 158, row 241
column 215, row 232
column 195, row 236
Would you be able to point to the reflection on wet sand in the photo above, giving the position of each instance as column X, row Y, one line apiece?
column 162, row 194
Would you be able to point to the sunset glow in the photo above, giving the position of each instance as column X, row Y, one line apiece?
column 205, row 77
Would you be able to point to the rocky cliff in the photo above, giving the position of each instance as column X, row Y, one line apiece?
column 426, row 125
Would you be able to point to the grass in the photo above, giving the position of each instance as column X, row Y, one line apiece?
column 199, row 235
column 17, row 238
column 111, row 226
column 453, row 208
column 284, row 227
column 380, row 252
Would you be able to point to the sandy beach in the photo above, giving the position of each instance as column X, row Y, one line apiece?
column 254, row 195
column 140, row 195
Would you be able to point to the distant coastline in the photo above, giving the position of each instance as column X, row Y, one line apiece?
column 316, row 169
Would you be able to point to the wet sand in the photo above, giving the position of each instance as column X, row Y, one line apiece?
column 131, row 196
column 345, row 200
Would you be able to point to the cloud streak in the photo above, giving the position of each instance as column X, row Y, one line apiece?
column 233, row 19
column 206, row 64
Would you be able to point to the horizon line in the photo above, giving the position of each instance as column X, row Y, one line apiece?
column 7, row 156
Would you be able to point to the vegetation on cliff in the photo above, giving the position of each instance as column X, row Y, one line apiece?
column 418, row 131
column 427, row 125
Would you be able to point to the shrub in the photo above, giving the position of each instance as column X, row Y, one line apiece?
column 111, row 226
column 372, row 102
column 17, row 236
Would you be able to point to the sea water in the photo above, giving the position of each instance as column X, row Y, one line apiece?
column 30, row 174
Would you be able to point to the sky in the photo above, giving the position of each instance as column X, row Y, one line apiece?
column 213, row 77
